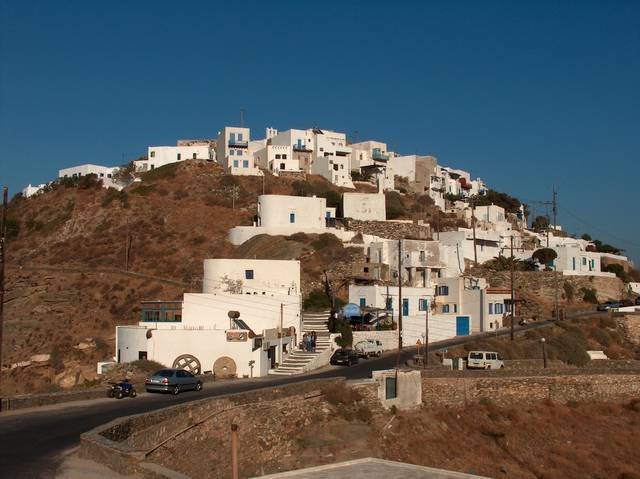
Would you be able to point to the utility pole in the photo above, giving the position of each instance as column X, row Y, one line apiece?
column 3, row 260
column 513, row 303
column 399, row 294
column 473, row 226
column 556, row 306
column 555, row 209
column 280, row 332
column 426, row 333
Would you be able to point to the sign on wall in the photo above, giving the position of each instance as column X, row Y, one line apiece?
column 237, row 336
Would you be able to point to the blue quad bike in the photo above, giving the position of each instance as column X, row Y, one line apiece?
column 121, row 389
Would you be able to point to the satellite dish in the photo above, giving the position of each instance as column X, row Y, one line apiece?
column 233, row 314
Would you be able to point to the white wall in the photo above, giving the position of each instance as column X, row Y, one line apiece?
column 269, row 276
column 29, row 190
column 104, row 173
column 259, row 312
column 276, row 158
column 441, row 327
column 276, row 211
column 158, row 156
column 207, row 345
column 364, row 206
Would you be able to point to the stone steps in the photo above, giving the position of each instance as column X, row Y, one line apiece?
column 295, row 362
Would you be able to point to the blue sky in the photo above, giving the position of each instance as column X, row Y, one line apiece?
column 524, row 94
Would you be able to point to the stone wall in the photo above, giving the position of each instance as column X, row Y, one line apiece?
column 522, row 390
column 540, row 286
column 390, row 229
column 630, row 324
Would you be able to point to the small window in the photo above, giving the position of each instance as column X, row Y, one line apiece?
column 445, row 308
column 282, row 165
column 153, row 154
column 284, row 157
column 101, row 175
column 423, row 304
column 490, row 308
column 235, row 163
column 178, row 156
column 292, row 217
column 109, row 175
column 248, row 274
column 363, row 302
column 142, row 355
column 278, row 157
column 232, row 152
column 194, row 156
column 239, row 136
column 443, row 290
column 366, row 269
column 245, row 163
column 455, row 307
column 422, row 256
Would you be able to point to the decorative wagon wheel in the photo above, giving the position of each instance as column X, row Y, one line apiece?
column 188, row 362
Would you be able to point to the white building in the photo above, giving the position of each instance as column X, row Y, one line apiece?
column 364, row 206
column 332, row 157
column 29, row 190
column 233, row 152
column 285, row 215
column 301, row 142
column 158, row 156
column 488, row 244
column 368, row 153
column 103, row 173
column 277, row 159
column 246, row 320
column 572, row 260
column 464, row 297
column 422, row 261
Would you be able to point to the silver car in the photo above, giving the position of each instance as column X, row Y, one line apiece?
column 172, row 380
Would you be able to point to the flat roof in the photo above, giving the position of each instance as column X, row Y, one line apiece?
column 372, row 468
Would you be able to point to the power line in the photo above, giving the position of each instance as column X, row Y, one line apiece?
column 592, row 226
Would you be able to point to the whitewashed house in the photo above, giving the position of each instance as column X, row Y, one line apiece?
column 364, row 206
column 29, row 190
column 246, row 320
column 103, row 173
column 233, row 152
column 332, row 157
column 277, row 159
column 285, row 215
column 301, row 142
column 158, row 156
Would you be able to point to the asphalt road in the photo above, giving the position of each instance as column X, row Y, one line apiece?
column 33, row 442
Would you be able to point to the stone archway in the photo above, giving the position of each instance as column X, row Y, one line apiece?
column 224, row 367
column 188, row 362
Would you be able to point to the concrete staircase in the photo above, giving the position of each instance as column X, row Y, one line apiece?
column 297, row 359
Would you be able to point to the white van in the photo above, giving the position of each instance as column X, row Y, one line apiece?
column 484, row 360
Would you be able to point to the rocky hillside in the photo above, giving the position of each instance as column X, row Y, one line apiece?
column 81, row 258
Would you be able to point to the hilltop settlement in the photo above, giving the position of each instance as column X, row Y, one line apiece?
column 223, row 255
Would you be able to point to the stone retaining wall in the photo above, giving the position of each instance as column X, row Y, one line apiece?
column 522, row 390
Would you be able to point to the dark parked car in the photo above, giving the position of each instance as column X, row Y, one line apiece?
column 344, row 356
column 607, row 305
column 172, row 380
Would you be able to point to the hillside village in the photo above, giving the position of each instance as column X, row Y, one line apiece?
column 220, row 255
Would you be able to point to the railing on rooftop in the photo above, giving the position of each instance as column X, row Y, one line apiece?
column 377, row 155
column 161, row 311
column 300, row 147
column 238, row 143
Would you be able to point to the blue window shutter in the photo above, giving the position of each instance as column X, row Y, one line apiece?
column 292, row 217
column 490, row 308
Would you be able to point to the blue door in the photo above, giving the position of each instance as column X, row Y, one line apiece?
column 363, row 302
column 405, row 306
column 462, row 325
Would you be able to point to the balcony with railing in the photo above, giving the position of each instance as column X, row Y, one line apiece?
column 238, row 143
column 377, row 155
column 301, row 147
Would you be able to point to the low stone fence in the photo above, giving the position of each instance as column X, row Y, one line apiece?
column 124, row 444
column 505, row 391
